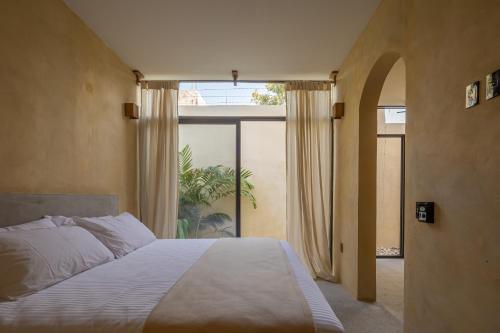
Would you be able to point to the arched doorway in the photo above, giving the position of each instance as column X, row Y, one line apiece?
column 391, row 143
column 369, row 114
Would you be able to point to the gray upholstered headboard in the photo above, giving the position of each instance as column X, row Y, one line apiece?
column 20, row 208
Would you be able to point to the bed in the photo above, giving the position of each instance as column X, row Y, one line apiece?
column 118, row 296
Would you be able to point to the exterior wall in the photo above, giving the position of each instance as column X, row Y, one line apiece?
column 263, row 151
column 62, row 90
column 233, row 110
column 452, row 268
column 388, row 192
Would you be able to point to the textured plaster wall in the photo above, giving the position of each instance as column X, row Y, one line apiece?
column 356, row 265
column 62, row 128
column 394, row 89
column 388, row 192
column 263, row 151
column 452, row 268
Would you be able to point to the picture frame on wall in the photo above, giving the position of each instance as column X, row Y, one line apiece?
column 472, row 95
column 493, row 85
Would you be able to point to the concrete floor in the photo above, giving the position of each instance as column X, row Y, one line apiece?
column 390, row 285
column 383, row 316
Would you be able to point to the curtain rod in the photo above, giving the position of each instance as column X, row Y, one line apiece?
column 242, row 81
column 332, row 78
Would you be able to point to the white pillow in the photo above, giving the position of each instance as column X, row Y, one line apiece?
column 38, row 224
column 32, row 260
column 61, row 220
column 121, row 234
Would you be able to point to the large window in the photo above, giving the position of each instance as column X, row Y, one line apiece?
column 232, row 174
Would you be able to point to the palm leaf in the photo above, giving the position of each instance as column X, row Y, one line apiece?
column 201, row 187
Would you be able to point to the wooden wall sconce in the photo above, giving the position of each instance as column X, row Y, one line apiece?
column 338, row 110
column 131, row 110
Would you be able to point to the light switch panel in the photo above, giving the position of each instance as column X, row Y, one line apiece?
column 425, row 212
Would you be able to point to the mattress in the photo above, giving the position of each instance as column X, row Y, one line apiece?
column 119, row 296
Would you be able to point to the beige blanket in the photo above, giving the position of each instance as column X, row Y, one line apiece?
column 238, row 286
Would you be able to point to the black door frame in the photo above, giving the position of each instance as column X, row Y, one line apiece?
column 236, row 121
column 402, row 195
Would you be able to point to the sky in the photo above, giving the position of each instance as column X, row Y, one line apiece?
column 395, row 115
column 217, row 93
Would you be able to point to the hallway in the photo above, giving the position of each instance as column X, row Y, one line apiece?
column 383, row 316
column 390, row 285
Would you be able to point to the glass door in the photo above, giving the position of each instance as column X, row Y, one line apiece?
column 207, row 180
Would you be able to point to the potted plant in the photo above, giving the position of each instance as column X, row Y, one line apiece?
column 199, row 188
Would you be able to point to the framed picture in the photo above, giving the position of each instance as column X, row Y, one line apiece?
column 472, row 95
column 493, row 85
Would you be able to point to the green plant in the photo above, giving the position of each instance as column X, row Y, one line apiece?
column 200, row 188
column 275, row 95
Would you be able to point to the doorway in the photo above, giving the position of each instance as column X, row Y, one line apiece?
column 390, row 194
column 390, row 191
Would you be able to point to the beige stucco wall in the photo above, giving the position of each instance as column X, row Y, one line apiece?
column 452, row 268
column 263, row 151
column 388, row 192
column 62, row 128
column 394, row 90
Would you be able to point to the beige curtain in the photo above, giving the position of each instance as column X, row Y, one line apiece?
column 158, row 130
column 309, row 138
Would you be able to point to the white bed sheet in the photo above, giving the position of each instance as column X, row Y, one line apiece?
column 118, row 296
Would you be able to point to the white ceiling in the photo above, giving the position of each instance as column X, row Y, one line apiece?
column 206, row 39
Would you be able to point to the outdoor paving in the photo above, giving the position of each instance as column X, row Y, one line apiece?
column 384, row 251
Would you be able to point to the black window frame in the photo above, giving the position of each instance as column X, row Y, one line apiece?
column 230, row 120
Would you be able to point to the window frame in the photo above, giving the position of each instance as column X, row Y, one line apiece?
column 224, row 120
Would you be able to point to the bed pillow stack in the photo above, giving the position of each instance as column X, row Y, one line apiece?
column 121, row 234
column 43, row 223
column 38, row 254
column 35, row 259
